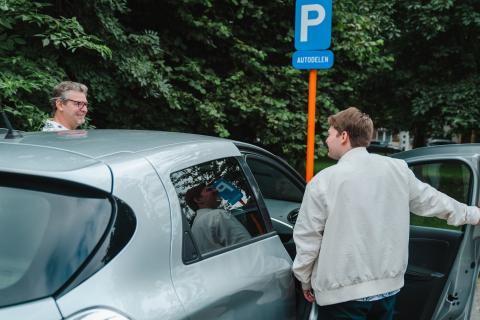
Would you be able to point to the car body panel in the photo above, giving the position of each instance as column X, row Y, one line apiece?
column 40, row 309
column 178, row 157
column 252, row 281
column 443, row 151
column 137, row 281
column 55, row 163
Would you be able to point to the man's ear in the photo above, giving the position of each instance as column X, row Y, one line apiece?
column 345, row 138
column 58, row 105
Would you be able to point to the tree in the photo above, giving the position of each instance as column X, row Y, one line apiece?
column 32, row 47
column 204, row 66
column 436, row 74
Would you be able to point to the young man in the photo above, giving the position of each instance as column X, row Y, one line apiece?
column 352, row 231
column 70, row 106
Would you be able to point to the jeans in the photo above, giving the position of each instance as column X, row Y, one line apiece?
column 359, row 310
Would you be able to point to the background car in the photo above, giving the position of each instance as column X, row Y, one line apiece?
column 382, row 148
column 437, row 142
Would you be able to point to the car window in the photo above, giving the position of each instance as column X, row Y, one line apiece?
column 453, row 178
column 218, row 205
column 273, row 182
column 47, row 231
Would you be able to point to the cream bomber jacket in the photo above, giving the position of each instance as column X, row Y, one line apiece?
column 352, row 230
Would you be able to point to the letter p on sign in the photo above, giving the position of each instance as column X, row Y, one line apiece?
column 313, row 24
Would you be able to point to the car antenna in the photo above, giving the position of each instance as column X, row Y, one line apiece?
column 11, row 133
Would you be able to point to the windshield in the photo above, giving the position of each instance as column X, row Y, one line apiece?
column 47, row 231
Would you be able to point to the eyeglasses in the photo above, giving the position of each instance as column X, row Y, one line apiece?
column 78, row 104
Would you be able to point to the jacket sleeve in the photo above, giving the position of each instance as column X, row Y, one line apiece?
column 308, row 234
column 429, row 202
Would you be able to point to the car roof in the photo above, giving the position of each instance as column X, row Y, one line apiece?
column 96, row 144
column 76, row 155
column 445, row 150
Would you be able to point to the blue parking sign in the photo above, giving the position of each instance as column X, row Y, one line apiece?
column 227, row 191
column 313, row 24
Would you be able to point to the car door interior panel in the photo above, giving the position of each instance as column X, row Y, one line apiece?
column 432, row 253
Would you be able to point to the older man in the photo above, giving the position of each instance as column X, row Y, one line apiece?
column 70, row 106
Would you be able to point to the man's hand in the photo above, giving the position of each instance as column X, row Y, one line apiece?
column 309, row 296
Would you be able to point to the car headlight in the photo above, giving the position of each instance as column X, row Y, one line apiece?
column 97, row 314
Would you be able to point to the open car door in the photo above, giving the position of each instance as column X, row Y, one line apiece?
column 443, row 260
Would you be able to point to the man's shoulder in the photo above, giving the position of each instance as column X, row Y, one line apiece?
column 372, row 162
column 327, row 172
column 51, row 125
column 321, row 178
column 377, row 157
column 205, row 214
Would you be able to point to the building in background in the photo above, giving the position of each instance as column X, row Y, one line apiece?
column 395, row 140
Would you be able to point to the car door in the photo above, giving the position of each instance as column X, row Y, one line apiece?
column 282, row 189
column 223, row 275
column 443, row 260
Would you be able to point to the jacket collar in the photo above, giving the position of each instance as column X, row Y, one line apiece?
column 353, row 153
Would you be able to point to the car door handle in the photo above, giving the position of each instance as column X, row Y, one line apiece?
column 421, row 273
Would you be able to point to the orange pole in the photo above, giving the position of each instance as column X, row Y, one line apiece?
column 312, row 95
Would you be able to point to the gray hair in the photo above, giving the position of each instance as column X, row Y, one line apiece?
column 64, row 86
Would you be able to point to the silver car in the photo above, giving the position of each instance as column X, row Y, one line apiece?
column 101, row 225
column 95, row 225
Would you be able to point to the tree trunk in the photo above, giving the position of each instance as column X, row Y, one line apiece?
column 418, row 136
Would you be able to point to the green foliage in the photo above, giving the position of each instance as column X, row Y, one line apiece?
column 436, row 70
column 456, row 105
column 31, row 57
column 205, row 66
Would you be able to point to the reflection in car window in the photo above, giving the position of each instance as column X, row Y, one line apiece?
column 273, row 183
column 218, row 204
column 450, row 177
column 46, row 234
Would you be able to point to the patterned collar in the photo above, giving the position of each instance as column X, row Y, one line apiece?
column 51, row 125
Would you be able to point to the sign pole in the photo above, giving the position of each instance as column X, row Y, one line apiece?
column 312, row 95
column 313, row 29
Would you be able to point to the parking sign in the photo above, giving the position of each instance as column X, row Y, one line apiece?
column 313, row 24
